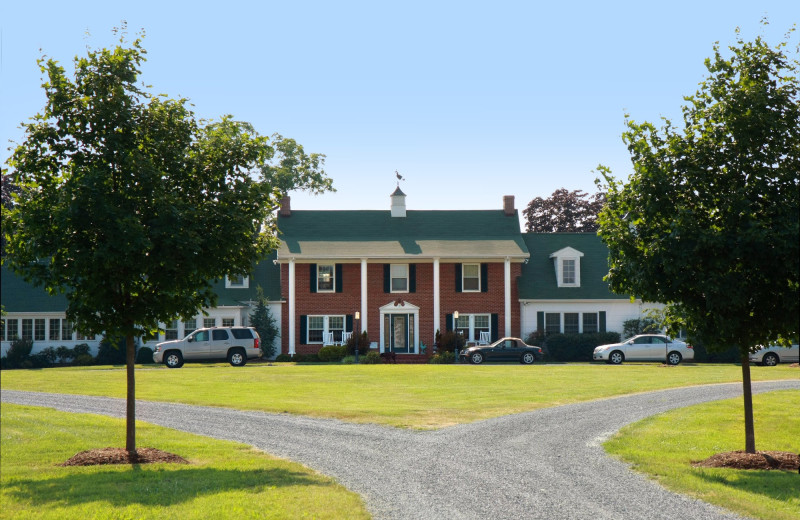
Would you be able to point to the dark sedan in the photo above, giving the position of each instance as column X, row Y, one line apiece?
column 506, row 349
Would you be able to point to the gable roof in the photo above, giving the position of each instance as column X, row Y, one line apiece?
column 538, row 279
column 485, row 234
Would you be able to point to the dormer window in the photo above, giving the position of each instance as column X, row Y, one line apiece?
column 567, row 264
column 237, row 281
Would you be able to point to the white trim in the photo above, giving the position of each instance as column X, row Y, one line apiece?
column 364, row 292
column 326, row 328
column 244, row 285
column 292, row 307
column 333, row 279
column 392, row 278
column 566, row 254
column 463, row 277
column 402, row 308
column 436, row 299
column 507, row 296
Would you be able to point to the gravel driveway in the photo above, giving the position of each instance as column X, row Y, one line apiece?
column 544, row 464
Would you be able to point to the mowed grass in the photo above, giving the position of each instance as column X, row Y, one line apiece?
column 410, row 396
column 664, row 447
column 224, row 479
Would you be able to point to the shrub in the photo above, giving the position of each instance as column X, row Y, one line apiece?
column 348, row 360
column 50, row 354
column 283, row 358
column 535, row 338
column 639, row 326
column 38, row 360
column 111, row 351
column 64, row 354
column 372, row 358
column 576, row 347
column 84, row 360
column 306, row 358
column 18, row 353
column 81, row 349
column 703, row 355
column 442, row 358
column 450, row 341
column 332, row 353
column 144, row 355
column 262, row 320
column 363, row 344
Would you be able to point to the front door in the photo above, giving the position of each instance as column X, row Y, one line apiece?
column 399, row 329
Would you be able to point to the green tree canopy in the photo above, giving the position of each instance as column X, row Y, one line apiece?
column 708, row 221
column 129, row 205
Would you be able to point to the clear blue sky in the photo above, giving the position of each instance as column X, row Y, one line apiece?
column 469, row 101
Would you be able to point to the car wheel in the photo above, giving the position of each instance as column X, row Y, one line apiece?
column 616, row 358
column 527, row 358
column 237, row 357
column 673, row 358
column 476, row 358
column 173, row 359
column 770, row 360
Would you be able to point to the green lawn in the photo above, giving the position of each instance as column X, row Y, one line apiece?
column 224, row 479
column 664, row 446
column 412, row 396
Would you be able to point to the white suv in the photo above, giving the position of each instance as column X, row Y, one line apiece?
column 236, row 344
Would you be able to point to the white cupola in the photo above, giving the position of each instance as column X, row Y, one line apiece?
column 398, row 203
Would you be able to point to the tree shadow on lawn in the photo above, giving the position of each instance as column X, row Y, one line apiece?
column 152, row 486
column 773, row 484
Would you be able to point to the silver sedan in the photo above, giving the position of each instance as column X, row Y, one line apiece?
column 645, row 347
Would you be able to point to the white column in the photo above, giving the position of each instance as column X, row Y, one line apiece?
column 291, row 307
column 508, row 296
column 436, row 300
column 364, row 305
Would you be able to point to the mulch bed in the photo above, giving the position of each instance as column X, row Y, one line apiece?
column 121, row 456
column 781, row 460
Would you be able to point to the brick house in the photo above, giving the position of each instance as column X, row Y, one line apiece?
column 402, row 273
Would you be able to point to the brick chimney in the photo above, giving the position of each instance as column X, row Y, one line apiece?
column 286, row 207
column 508, row 205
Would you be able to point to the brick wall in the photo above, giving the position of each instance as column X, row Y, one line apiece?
column 349, row 300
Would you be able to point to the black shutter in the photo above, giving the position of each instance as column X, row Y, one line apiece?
column 540, row 321
column 602, row 321
column 484, row 277
column 387, row 288
column 303, row 329
column 458, row 277
column 448, row 322
column 348, row 325
column 495, row 327
column 412, row 278
column 338, row 280
column 312, row 275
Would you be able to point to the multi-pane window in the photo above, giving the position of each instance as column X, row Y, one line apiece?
column 227, row 322
column 55, row 329
column 336, row 326
column 552, row 323
column 399, row 276
column 66, row 330
column 189, row 326
column 209, row 322
column 316, row 327
column 590, row 323
column 27, row 329
column 171, row 331
column 471, row 277
column 481, row 325
column 325, row 281
column 12, row 329
column 462, row 325
column 471, row 325
column 237, row 281
column 571, row 323
column 38, row 329
column 568, row 271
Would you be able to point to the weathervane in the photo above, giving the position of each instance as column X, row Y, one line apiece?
column 399, row 178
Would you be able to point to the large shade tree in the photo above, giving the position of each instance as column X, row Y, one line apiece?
column 708, row 221
column 130, row 206
column 564, row 211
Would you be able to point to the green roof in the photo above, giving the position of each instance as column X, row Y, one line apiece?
column 20, row 296
column 538, row 280
column 17, row 295
column 420, row 234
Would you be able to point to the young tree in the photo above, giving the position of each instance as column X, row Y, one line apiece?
column 262, row 320
column 130, row 206
column 572, row 211
column 708, row 221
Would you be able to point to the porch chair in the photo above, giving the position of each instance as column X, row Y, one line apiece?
column 327, row 338
column 345, row 338
column 484, row 338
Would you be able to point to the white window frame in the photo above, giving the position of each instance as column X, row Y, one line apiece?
column 325, row 326
column 333, row 278
column 578, row 324
column 464, row 277
column 567, row 254
column 236, row 284
column 392, row 271
column 472, row 335
column 596, row 322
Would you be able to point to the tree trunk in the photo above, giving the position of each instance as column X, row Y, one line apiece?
column 130, row 433
column 747, row 390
